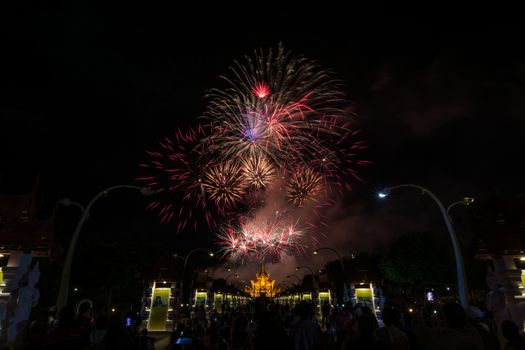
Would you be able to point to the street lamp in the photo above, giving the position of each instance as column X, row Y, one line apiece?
column 305, row 267
column 460, row 268
column 465, row 201
column 230, row 275
column 291, row 286
column 311, row 271
column 185, row 259
column 239, row 283
column 63, row 290
column 316, row 251
column 294, row 275
column 67, row 202
column 214, row 270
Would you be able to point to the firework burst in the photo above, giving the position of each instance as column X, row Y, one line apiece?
column 258, row 239
column 304, row 186
column 339, row 157
column 225, row 185
column 261, row 90
column 257, row 171
column 174, row 174
column 274, row 104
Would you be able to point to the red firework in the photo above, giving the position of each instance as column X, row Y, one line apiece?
column 290, row 146
column 261, row 90
column 261, row 238
column 173, row 172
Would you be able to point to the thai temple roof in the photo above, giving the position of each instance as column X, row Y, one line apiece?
column 262, row 285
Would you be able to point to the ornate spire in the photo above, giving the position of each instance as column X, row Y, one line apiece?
column 262, row 285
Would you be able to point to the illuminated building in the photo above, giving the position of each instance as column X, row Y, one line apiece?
column 24, row 234
column 499, row 254
column 262, row 286
column 159, row 305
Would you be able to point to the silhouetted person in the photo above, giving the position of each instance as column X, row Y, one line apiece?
column 118, row 337
column 269, row 333
column 514, row 339
column 366, row 340
column 200, row 315
column 406, row 327
column 53, row 318
column 480, row 318
column 98, row 333
column 145, row 341
column 240, row 332
column 365, row 310
column 38, row 329
column 305, row 333
column 67, row 335
column 390, row 335
column 457, row 333
column 325, row 312
column 84, row 318
column 84, row 315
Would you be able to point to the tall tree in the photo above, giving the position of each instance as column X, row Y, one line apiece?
column 416, row 261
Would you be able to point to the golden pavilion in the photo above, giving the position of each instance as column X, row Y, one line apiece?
column 262, row 286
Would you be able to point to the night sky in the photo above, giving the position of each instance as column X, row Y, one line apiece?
column 87, row 90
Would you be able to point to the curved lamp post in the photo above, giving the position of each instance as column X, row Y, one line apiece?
column 316, row 251
column 466, row 201
column 213, row 271
column 294, row 275
column 305, row 267
column 230, row 275
column 291, row 284
column 460, row 268
column 210, row 254
column 185, row 259
column 67, row 202
column 63, row 290
column 315, row 283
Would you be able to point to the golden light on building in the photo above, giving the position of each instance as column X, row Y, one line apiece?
column 262, row 286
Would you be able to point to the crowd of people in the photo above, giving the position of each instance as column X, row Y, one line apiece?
column 268, row 325
column 303, row 327
column 274, row 326
column 81, row 329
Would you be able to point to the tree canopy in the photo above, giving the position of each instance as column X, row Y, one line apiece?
column 418, row 260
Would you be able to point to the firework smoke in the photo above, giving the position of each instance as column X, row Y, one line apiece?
column 277, row 132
